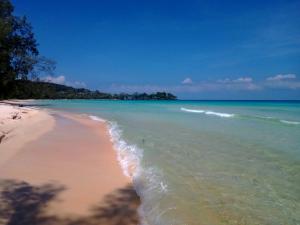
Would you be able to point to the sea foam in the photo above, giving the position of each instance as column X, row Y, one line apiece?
column 274, row 119
column 192, row 110
column 96, row 118
column 290, row 122
column 129, row 156
column 148, row 182
column 226, row 115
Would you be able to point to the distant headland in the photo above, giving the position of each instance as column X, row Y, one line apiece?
column 26, row 89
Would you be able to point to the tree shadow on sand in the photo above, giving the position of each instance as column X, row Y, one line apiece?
column 21, row 203
column 24, row 204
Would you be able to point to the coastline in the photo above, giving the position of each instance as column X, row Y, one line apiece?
column 71, row 160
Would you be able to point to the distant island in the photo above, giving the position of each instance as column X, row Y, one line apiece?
column 26, row 89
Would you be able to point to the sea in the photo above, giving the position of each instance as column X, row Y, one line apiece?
column 205, row 162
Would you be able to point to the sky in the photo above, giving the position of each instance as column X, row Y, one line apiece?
column 195, row 49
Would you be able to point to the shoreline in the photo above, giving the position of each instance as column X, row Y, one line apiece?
column 75, row 163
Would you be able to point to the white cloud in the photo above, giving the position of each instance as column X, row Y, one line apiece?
column 76, row 84
column 281, row 77
column 243, row 83
column 62, row 80
column 283, row 81
column 55, row 80
column 187, row 81
column 238, row 80
column 243, row 80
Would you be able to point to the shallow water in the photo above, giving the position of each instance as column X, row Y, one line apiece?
column 207, row 162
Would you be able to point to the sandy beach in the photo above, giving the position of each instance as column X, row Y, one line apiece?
column 60, row 169
column 20, row 125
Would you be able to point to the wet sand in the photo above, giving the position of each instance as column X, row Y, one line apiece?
column 69, row 175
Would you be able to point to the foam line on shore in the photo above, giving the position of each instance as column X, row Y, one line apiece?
column 96, row 118
column 145, row 180
column 129, row 156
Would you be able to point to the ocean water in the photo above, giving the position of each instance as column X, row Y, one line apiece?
column 206, row 162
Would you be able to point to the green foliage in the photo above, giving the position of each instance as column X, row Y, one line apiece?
column 42, row 66
column 145, row 96
column 25, row 89
column 18, row 47
column 19, row 56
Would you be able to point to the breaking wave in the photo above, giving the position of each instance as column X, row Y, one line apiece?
column 290, row 122
column 129, row 156
column 226, row 115
column 276, row 120
column 148, row 182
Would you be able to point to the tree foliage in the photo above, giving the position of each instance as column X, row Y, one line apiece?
column 18, row 47
column 42, row 66
column 26, row 89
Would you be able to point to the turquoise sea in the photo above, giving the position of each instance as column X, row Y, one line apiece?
column 206, row 162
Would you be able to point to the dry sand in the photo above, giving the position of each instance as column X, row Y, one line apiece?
column 66, row 172
column 20, row 125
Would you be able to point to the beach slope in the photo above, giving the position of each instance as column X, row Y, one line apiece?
column 67, row 174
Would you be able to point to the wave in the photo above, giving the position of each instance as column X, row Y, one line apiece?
column 96, row 118
column 274, row 119
column 192, row 110
column 148, row 182
column 129, row 156
column 226, row 115
column 265, row 117
column 219, row 114
column 290, row 122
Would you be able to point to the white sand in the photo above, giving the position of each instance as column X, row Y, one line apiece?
column 25, row 123
column 68, row 151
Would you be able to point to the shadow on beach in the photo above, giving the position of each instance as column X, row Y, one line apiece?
column 24, row 204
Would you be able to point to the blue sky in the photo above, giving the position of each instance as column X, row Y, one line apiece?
column 195, row 49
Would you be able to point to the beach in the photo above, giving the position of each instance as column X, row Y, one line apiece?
column 59, row 168
column 187, row 162
column 205, row 162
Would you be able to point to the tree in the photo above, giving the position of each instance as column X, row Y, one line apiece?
column 42, row 66
column 18, row 47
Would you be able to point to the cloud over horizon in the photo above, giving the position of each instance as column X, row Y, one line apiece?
column 282, row 77
column 283, row 81
column 62, row 80
column 244, row 83
column 187, row 81
column 237, row 80
column 188, row 86
column 55, row 80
